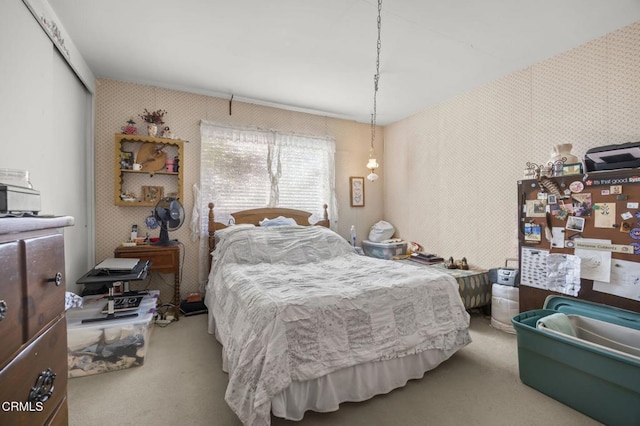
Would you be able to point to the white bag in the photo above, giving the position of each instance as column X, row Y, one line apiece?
column 381, row 231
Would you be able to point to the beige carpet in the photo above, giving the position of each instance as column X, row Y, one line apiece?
column 182, row 383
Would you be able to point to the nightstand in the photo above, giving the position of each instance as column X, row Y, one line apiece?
column 163, row 259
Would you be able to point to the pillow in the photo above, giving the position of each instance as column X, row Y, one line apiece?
column 231, row 228
column 224, row 232
column 278, row 221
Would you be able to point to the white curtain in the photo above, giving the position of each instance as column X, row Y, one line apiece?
column 247, row 168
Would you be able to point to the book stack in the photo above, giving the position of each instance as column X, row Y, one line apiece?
column 425, row 258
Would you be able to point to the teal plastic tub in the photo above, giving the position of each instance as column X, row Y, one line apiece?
column 597, row 371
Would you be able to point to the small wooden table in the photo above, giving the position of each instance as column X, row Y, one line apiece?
column 163, row 259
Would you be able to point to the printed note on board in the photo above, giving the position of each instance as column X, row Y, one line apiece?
column 624, row 281
column 595, row 264
column 604, row 215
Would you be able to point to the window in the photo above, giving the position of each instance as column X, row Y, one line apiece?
column 243, row 169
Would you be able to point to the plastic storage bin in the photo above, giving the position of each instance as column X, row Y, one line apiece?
column 597, row 372
column 103, row 346
column 384, row 250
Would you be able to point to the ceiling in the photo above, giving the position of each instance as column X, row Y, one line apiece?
column 319, row 56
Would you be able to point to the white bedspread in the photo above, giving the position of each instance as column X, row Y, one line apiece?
column 296, row 303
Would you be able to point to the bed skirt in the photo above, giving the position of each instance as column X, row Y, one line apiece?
column 352, row 384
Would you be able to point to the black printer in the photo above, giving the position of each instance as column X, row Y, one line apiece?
column 613, row 157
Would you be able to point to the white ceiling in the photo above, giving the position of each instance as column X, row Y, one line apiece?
column 319, row 56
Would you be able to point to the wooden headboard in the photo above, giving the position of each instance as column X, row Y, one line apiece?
column 254, row 216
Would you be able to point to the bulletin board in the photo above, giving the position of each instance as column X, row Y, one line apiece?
column 579, row 236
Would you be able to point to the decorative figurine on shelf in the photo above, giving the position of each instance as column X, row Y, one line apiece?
column 563, row 152
column 128, row 197
column 130, row 128
column 556, row 167
column 167, row 133
column 532, row 171
column 153, row 120
column 561, row 155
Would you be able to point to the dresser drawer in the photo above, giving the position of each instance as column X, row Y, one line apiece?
column 61, row 416
column 11, row 295
column 44, row 261
column 28, row 371
column 163, row 258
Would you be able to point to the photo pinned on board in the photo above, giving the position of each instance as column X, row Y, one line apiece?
column 532, row 232
column 575, row 223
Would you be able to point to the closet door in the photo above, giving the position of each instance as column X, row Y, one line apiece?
column 46, row 117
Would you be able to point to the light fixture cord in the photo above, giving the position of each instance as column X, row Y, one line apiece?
column 376, row 79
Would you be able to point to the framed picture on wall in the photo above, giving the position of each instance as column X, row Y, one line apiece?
column 357, row 191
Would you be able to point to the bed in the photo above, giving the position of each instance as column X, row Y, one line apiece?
column 306, row 323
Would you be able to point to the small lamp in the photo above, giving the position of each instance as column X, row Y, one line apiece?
column 372, row 165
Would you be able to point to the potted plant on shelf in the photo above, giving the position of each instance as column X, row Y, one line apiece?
column 153, row 120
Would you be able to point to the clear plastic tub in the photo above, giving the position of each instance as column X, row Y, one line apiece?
column 103, row 346
column 384, row 250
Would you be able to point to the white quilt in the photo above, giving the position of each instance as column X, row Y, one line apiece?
column 295, row 303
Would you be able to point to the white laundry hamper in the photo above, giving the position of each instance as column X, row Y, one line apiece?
column 505, row 304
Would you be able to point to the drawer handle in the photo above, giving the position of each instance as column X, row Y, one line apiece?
column 43, row 388
column 3, row 309
column 57, row 279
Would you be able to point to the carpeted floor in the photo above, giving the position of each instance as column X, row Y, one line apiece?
column 182, row 383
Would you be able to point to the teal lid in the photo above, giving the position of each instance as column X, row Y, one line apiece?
column 568, row 305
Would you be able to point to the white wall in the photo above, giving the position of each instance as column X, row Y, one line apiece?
column 45, row 116
column 452, row 170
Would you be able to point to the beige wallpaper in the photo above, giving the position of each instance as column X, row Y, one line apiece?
column 452, row 170
column 116, row 101
column 449, row 173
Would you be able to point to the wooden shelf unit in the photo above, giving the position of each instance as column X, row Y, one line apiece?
column 128, row 180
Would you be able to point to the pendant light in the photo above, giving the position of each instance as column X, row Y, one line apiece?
column 372, row 164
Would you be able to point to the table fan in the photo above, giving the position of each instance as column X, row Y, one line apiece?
column 170, row 215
